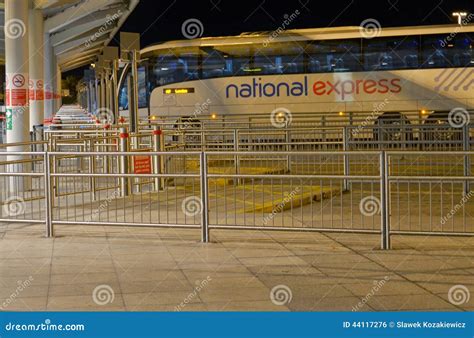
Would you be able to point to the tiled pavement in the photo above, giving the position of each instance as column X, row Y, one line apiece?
column 168, row 270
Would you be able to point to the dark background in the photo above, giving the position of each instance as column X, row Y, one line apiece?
column 161, row 20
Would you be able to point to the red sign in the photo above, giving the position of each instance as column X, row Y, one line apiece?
column 17, row 97
column 39, row 94
column 142, row 164
column 31, row 90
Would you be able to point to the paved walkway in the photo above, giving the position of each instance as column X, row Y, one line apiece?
column 98, row 268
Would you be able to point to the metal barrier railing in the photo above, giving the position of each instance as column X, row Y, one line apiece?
column 376, row 192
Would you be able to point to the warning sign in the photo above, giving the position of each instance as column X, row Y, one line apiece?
column 18, row 97
column 142, row 164
column 18, row 80
column 31, row 90
column 36, row 90
column 16, row 89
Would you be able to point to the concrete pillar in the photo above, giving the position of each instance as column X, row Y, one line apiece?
column 36, row 84
column 49, row 74
column 91, row 94
column 58, row 88
column 107, row 97
column 103, row 91
column 97, row 93
column 17, row 79
column 16, row 69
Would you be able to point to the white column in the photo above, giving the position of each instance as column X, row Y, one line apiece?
column 36, row 84
column 58, row 88
column 16, row 69
column 103, row 91
column 49, row 74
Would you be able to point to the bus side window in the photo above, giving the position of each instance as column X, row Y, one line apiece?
column 391, row 53
column 462, row 51
column 435, row 52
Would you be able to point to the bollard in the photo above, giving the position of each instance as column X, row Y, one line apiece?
column 123, row 165
column 158, row 146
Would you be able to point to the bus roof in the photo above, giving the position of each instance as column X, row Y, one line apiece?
column 328, row 33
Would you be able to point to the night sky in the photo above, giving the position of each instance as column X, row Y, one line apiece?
column 161, row 20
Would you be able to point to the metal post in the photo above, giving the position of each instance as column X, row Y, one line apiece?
column 323, row 125
column 133, row 93
column 236, row 157
column 124, row 143
column 467, row 160
column 115, row 100
column 48, row 196
column 345, row 136
column 288, row 148
column 384, row 202
column 204, row 199
column 157, row 159
column 92, row 168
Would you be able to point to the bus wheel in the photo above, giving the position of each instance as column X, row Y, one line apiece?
column 392, row 127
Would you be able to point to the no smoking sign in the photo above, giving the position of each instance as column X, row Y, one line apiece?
column 18, row 80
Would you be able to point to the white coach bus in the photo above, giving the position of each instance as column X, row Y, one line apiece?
column 415, row 74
